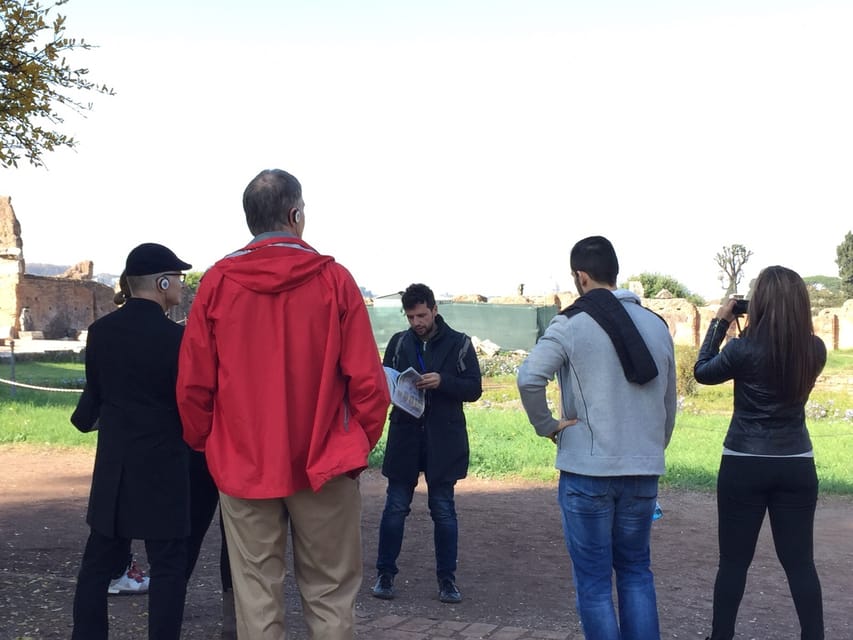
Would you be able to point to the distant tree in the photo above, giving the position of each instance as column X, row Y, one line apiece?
column 654, row 283
column 824, row 292
column 731, row 261
column 35, row 79
column 844, row 260
column 192, row 279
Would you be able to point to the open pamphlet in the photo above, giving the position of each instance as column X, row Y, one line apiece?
column 404, row 393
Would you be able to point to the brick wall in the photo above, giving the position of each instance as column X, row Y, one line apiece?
column 60, row 307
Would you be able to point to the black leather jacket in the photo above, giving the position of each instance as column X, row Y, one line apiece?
column 763, row 422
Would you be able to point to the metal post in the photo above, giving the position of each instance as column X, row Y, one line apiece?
column 12, row 360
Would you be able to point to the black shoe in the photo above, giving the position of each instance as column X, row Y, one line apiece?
column 384, row 587
column 447, row 592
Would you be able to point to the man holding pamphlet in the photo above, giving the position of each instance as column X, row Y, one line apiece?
column 427, row 432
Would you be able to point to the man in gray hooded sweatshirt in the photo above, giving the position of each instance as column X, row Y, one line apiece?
column 615, row 367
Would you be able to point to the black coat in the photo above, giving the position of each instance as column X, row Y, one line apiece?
column 140, row 484
column 437, row 442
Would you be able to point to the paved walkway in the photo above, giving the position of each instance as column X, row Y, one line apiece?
column 39, row 346
column 414, row 628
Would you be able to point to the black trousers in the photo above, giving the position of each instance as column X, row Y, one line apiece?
column 204, row 497
column 786, row 488
column 167, row 568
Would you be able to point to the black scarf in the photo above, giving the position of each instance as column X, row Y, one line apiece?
column 606, row 309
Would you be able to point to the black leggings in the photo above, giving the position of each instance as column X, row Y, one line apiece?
column 747, row 487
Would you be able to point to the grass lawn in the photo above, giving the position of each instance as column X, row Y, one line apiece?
column 503, row 444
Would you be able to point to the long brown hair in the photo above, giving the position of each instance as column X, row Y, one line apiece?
column 780, row 319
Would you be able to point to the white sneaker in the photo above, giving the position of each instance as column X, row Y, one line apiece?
column 130, row 582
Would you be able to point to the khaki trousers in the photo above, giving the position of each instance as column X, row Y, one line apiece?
column 327, row 563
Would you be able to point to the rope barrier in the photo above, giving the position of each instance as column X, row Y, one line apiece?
column 12, row 383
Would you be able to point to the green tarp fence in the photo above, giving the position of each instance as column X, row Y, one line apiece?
column 510, row 326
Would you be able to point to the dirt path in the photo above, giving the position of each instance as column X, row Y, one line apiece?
column 514, row 570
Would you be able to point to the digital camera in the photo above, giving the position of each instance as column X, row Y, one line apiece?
column 741, row 307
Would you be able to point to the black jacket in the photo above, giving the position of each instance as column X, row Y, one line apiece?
column 437, row 442
column 763, row 421
column 140, row 483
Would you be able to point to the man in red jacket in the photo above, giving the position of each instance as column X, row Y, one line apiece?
column 281, row 385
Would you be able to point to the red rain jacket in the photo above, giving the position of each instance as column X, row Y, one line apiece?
column 279, row 377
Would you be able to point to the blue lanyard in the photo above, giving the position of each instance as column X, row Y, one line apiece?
column 420, row 357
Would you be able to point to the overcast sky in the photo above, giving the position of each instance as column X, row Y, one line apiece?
column 463, row 143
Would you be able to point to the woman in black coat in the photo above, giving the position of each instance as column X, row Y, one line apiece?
column 140, row 483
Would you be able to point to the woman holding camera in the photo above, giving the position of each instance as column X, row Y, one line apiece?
column 768, row 463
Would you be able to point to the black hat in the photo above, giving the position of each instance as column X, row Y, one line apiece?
column 150, row 258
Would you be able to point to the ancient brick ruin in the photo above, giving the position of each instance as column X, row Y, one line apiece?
column 63, row 306
column 50, row 307
column 688, row 323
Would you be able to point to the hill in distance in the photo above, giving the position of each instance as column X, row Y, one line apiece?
column 44, row 269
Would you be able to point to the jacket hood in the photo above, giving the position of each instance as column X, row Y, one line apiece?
column 274, row 264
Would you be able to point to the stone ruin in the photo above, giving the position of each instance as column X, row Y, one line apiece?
column 56, row 307
column 687, row 322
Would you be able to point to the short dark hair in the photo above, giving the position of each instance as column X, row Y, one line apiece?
column 416, row 294
column 268, row 199
column 597, row 257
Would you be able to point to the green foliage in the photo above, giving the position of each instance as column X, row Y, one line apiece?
column 36, row 79
column 831, row 283
column 503, row 443
column 654, row 283
column 844, row 260
column 685, row 358
column 192, row 279
column 504, row 363
column 61, row 375
column 731, row 261
column 491, row 430
column 825, row 292
column 28, row 415
column 838, row 362
column 693, row 456
column 500, row 390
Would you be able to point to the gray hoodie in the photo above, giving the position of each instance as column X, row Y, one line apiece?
column 622, row 427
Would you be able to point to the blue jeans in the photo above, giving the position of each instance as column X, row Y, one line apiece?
column 607, row 523
column 445, row 528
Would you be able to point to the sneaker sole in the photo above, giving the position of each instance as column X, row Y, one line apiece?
column 383, row 596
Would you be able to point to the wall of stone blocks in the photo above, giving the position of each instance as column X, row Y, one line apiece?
column 61, row 308
column 688, row 324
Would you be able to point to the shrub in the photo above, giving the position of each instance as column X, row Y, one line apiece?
column 685, row 383
column 505, row 363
